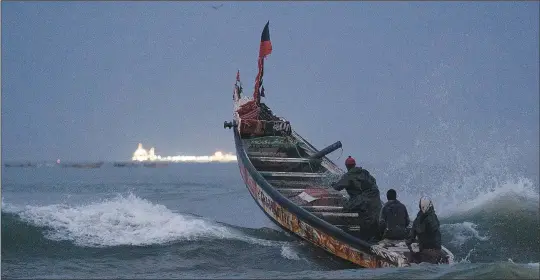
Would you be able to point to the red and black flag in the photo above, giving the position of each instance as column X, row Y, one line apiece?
column 266, row 45
column 264, row 50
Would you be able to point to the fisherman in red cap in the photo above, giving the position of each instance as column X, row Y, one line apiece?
column 350, row 163
column 364, row 198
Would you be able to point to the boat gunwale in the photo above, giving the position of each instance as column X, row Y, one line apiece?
column 295, row 209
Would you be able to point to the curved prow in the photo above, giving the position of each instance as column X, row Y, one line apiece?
column 326, row 151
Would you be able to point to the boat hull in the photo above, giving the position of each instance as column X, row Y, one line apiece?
column 317, row 234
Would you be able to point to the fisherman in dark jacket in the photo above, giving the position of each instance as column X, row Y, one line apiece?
column 426, row 229
column 394, row 218
column 364, row 198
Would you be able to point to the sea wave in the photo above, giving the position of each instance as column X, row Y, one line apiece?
column 123, row 220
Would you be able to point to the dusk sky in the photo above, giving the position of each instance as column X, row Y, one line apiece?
column 89, row 81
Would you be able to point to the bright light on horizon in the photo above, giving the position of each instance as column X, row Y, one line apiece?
column 143, row 155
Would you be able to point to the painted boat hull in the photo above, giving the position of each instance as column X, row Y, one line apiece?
column 308, row 227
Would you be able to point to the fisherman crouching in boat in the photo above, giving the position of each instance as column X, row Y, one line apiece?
column 394, row 218
column 364, row 198
column 426, row 229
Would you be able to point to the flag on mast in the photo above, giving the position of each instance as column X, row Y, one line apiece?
column 266, row 45
column 264, row 50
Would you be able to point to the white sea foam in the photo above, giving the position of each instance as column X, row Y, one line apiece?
column 463, row 192
column 288, row 252
column 463, row 232
column 124, row 220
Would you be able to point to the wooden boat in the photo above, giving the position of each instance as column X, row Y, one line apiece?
column 289, row 179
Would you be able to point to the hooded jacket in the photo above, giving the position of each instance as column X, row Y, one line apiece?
column 426, row 228
column 364, row 194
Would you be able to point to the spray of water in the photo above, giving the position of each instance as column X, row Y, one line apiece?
column 460, row 163
column 124, row 220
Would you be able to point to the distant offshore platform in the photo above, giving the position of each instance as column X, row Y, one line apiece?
column 141, row 155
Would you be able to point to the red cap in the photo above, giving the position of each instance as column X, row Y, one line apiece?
column 350, row 161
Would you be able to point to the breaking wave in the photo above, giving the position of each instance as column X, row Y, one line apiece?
column 121, row 221
column 461, row 233
column 484, row 191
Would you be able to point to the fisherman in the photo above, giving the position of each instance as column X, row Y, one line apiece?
column 364, row 198
column 394, row 218
column 426, row 229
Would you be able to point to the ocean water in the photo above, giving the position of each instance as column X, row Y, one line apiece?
column 199, row 221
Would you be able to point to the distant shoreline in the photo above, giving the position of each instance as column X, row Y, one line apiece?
column 86, row 163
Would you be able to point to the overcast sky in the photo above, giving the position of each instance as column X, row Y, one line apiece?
column 89, row 81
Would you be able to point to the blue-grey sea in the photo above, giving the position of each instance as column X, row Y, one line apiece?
column 197, row 220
